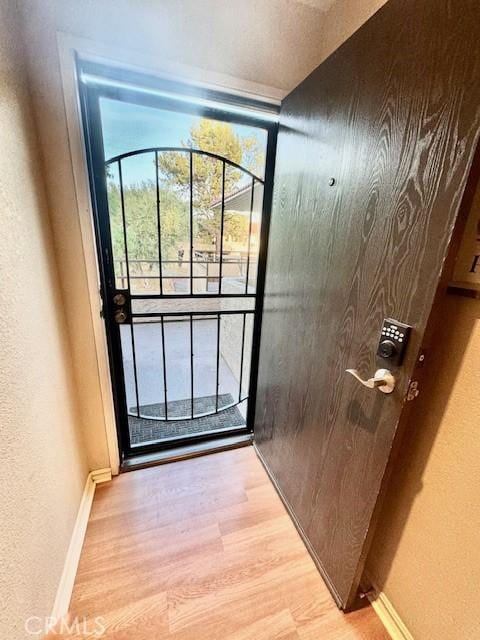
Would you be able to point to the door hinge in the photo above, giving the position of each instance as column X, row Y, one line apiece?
column 413, row 390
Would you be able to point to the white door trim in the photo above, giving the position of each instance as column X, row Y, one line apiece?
column 84, row 211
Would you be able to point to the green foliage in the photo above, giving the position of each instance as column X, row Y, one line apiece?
column 141, row 219
column 140, row 199
column 236, row 227
column 219, row 138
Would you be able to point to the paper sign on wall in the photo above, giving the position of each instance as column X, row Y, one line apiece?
column 467, row 267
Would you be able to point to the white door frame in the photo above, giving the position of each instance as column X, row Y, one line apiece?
column 68, row 48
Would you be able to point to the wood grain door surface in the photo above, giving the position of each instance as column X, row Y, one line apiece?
column 393, row 117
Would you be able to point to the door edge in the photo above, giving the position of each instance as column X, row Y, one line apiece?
column 335, row 595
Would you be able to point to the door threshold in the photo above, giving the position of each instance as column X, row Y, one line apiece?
column 184, row 452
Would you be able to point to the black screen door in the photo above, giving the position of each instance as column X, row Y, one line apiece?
column 181, row 191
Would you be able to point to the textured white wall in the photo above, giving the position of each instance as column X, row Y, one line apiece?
column 276, row 43
column 42, row 465
column 426, row 554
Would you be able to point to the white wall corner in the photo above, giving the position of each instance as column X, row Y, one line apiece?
column 387, row 613
column 67, row 580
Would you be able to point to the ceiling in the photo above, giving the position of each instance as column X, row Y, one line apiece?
column 275, row 43
column 321, row 5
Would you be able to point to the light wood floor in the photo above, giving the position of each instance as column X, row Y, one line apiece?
column 204, row 549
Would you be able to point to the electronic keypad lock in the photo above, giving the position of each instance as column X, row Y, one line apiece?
column 393, row 341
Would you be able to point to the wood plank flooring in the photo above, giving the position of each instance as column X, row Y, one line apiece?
column 203, row 549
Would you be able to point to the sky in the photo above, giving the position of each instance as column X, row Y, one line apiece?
column 127, row 127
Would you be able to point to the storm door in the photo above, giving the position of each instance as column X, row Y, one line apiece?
column 179, row 195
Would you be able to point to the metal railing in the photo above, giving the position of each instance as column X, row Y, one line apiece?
column 191, row 317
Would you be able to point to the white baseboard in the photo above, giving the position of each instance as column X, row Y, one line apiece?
column 101, row 475
column 67, row 580
column 387, row 613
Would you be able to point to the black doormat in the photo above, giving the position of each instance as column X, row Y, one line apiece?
column 142, row 430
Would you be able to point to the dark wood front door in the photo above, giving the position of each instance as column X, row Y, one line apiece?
column 374, row 152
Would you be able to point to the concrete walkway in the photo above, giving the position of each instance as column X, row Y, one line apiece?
column 148, row 352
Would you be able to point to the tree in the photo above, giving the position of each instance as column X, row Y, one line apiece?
column 236, row 227
column 219, row 138
column 141, row 222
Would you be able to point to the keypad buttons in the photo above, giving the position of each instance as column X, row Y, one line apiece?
column 393, row 341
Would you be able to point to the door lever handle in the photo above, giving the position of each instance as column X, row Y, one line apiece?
column 382, row 380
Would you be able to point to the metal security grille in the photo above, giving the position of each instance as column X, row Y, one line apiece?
column 191, row 276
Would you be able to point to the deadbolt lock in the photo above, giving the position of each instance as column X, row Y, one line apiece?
column 121, row 306
column 120, row 316
column 119, row 299
column 393, row 341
